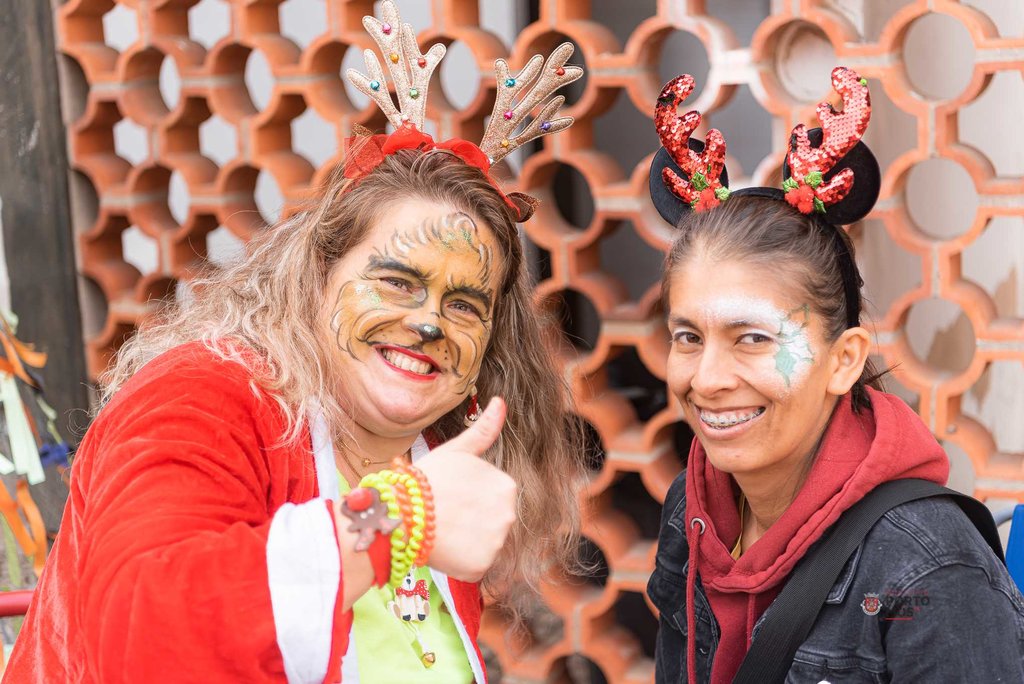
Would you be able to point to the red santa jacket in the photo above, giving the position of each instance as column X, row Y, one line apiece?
column 195, row 547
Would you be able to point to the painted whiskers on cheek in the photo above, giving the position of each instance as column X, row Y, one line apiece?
column 360, row 310
column 794, row 347
column 476, row 345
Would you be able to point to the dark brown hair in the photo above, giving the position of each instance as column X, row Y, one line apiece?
column 768, row 231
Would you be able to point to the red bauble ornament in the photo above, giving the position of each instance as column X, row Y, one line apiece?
column 359, row 499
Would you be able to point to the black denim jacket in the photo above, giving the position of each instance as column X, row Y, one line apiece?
column 945, row 609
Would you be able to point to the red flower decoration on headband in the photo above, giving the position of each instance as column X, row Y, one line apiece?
column 369, row 154
column 802, row 198
column 707, row 199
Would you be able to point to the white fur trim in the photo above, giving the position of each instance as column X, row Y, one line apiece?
column 304, row 571
column 323, row 455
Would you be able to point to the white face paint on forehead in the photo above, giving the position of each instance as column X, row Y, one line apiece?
column 793, row 355
column 754, row 310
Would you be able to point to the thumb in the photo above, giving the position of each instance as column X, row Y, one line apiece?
column 479, row 436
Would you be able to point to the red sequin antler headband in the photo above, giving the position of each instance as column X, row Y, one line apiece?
column 821, row 165
column 701, row 187
column 806, row 188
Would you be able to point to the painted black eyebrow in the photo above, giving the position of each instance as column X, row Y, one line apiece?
column 475, row 292
column 676, row 321
column 392, row 264
column 744, row 323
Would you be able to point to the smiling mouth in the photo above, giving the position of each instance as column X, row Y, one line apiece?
column 406, row 362
column 721, row 420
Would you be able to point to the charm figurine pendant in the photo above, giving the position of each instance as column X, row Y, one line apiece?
column 412, row 600
column 412, row 606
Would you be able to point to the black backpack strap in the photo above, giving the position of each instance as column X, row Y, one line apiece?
column 796, row 608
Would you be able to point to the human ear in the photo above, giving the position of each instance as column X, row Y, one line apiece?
column 847, row 357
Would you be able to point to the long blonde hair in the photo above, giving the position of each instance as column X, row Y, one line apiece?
column 269, row 304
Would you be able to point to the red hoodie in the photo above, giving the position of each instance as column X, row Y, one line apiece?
column 858, row 453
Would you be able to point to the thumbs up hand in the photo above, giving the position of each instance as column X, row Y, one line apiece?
column 474, row 502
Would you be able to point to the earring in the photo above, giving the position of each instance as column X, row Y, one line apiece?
column 473, row 413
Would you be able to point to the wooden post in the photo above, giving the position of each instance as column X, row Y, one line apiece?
column 37, row 233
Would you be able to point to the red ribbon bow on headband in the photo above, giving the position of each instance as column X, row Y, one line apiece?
column 367, row 155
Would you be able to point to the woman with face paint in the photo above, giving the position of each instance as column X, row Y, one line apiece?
column 280, row 485
column 769, row 363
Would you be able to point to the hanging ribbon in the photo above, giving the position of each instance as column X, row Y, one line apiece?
column 18, row 364
column 18, row 355
column 28, row 438
column 31, row 539
column 24, row 448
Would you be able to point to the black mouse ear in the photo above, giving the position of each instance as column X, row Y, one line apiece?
column 669, row 205
column 867, row 181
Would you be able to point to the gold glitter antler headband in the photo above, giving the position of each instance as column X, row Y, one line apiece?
column 498, row 140
column 410, row 69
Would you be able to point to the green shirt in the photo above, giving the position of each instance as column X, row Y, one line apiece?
column 388, row 649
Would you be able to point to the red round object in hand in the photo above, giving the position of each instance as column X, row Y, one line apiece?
column 359, row 499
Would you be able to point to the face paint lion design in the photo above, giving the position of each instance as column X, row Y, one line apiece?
column 422, row 300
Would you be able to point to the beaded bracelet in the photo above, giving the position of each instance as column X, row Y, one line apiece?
column 428, row 508
column 408, row 521
column 401, row 556
column 407, row 489
column 408, row 514
column 411, row 503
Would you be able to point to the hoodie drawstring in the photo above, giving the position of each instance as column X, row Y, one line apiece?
column 693, row 538
column 751, row 617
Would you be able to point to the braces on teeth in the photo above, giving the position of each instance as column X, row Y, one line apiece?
column 728, row 422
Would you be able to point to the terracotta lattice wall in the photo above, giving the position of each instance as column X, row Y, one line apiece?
column 942, row 253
